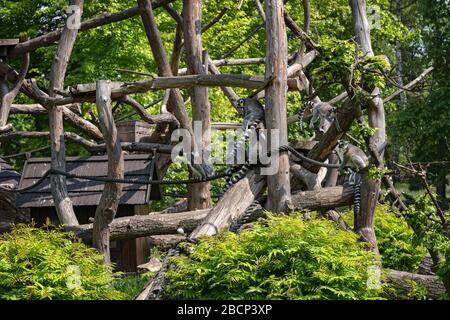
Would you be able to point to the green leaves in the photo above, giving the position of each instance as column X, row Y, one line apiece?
column 280, row 258
column 50, row 264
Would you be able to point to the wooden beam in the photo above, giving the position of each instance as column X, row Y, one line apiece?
column 39, row 109
column 61, row 199
column 109, row 201
column 199, row 194
column 146, row 225
column 87, row 144
column 175, row 103
column 278, row 184
column 87, row 93
column 101, row 20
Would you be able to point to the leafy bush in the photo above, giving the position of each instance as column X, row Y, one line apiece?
column 51, row 264
column 430, row 232
column 282, row 257
column 396, row 241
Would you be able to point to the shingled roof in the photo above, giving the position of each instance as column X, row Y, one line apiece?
column 88, row 193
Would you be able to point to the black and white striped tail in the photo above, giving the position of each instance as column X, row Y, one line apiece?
column 238, row 176
column 244, row 139
column 255, row 209
column 357, row 199
column 301, row 113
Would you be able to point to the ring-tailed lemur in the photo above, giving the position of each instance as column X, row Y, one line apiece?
column 353, row 160
column 351, row 157
column 353, row 180
column 301, row 113
column 325, row 111
column 253, row 116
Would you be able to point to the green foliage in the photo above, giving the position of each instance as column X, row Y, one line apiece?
column 283, row 257
column 415, row 291
column 396, row 242
column 375, row 173
column 424, row 220
column 131, row 285
column 37, row 264
column 372, row 70
column 336, row 60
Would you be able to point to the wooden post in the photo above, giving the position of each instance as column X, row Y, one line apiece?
column 364, row 222
column 175, row 103
column 278, row 185
column 109, row 201
column 61, row 199
column 199, row 194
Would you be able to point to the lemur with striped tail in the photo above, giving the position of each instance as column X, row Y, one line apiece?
column 320, row 110
column 352, row 160
column 253, row 117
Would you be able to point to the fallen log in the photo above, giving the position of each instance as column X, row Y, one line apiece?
column 220, row 217
column 148, row 225
column 402, row 280
column 325, row 198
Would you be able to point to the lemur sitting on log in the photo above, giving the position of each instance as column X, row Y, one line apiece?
column 352, row 160
column 253, row 117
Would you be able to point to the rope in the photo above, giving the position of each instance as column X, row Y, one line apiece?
column 117, row 180
column 305, row 158
column 17, row 155
column 224, row 174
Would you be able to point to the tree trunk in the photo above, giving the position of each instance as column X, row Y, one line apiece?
column 364, row 222
column 199, row 193
column 61, row 199
column 278, row 184
column 441, row 186
column 109, row 201
column 175, row 103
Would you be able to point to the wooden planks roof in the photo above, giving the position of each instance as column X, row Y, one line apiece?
column 85, row 192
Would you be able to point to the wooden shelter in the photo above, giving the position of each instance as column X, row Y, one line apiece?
column 85, row 196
